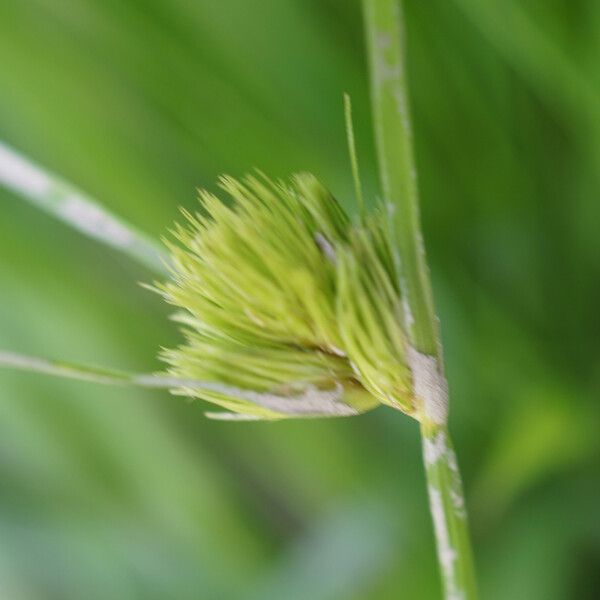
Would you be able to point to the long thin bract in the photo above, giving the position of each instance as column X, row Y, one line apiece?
column 66, row 202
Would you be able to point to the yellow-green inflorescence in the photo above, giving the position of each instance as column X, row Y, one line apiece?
column 285, row 302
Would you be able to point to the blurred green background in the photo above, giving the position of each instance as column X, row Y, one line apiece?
column 120, row 494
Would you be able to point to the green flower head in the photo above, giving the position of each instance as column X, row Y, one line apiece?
column 287, row 307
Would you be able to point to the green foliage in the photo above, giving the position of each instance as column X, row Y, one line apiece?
column 127, row 494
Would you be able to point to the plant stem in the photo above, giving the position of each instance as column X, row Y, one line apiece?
column 305, row 404
column 449, row 515
column 393, row 136
column 72, row 206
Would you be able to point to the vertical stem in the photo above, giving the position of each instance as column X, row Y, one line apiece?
column 393, row 136
column 449, row 515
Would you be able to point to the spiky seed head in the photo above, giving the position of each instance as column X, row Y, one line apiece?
column 286, row 303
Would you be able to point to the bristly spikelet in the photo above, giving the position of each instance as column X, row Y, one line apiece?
column 282, row 295
column 368, row 314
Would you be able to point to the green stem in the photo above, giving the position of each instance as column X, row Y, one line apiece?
column 449, row 515
column 308, row 403
column 393, row 136
column 75, row 208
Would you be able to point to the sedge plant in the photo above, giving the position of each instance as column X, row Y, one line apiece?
column 288, row 307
